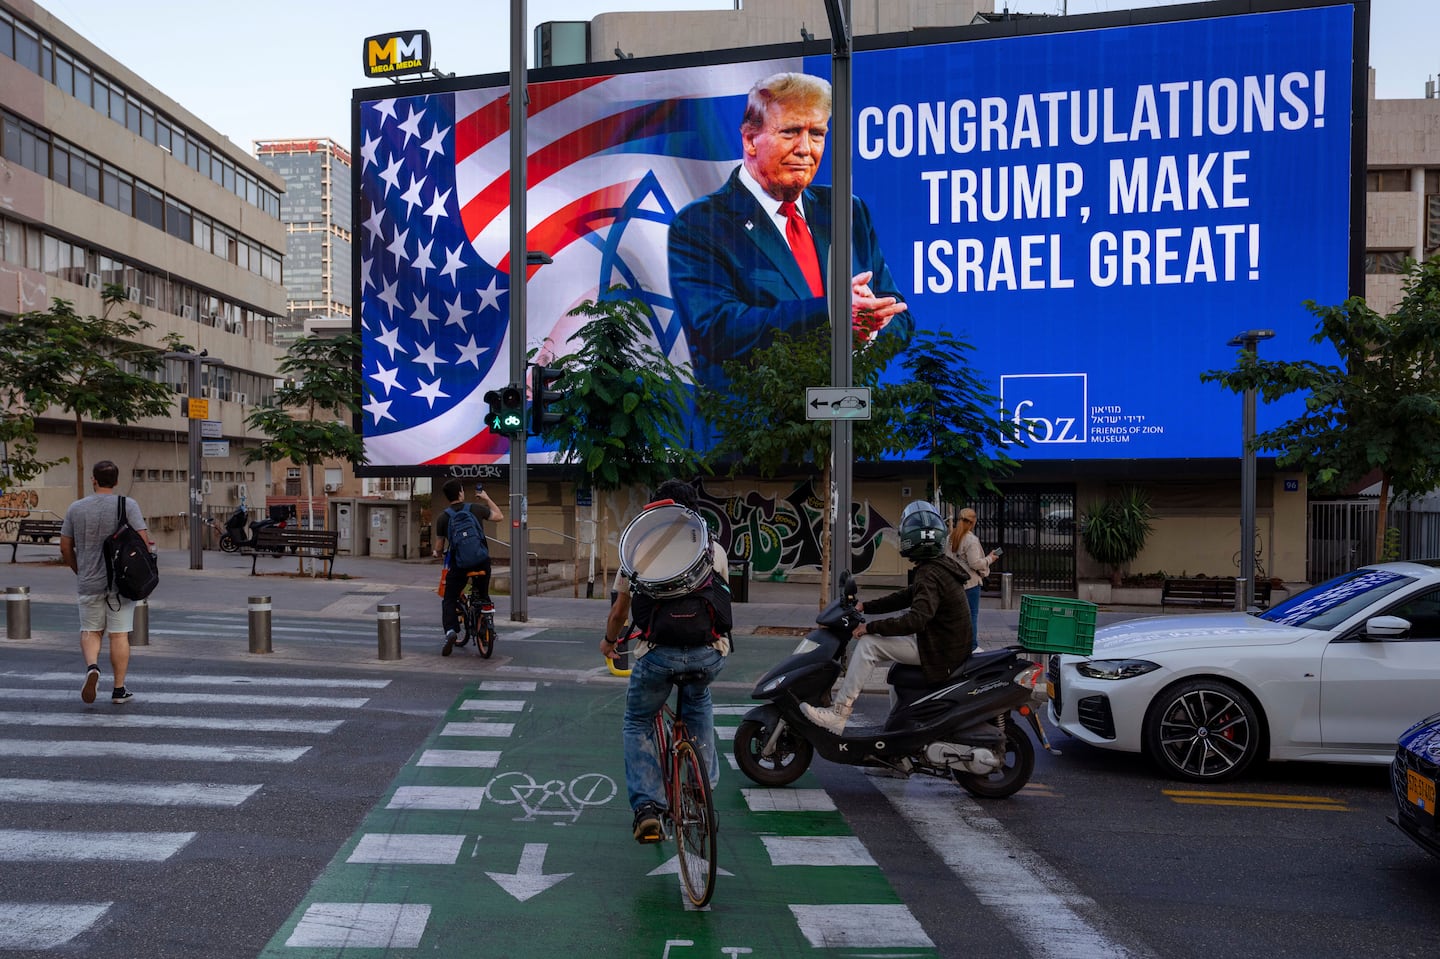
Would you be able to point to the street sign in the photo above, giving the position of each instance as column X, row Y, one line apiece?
column 210, row 429
column 215, row 448
column 197, row 409
column 837, row 403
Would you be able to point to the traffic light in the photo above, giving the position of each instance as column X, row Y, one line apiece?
column 507, row 410
column 543, row 399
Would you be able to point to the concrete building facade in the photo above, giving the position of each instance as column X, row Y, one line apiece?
column 107, row 180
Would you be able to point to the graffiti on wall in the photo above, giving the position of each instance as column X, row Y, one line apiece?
column 782, row 533
column 16, row 505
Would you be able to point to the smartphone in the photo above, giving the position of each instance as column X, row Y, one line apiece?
column 999, row 551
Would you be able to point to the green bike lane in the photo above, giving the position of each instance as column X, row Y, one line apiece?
column 507, row 834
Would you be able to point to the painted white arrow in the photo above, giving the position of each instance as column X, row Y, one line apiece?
column 529, row 879
column 671, row 867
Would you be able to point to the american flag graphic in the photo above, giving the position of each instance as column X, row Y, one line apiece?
column 611, row 160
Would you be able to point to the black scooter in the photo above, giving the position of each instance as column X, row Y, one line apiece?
column 961, row 729
column 237, row 535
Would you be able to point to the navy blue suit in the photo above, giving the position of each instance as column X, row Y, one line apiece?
column 736, row 283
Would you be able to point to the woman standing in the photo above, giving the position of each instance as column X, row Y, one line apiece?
column 965, row 547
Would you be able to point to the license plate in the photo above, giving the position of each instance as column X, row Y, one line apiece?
column 1050, row 690
column 1420, row 791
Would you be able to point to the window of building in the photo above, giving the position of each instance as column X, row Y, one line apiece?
column 1387, row 181
column 1385, row 261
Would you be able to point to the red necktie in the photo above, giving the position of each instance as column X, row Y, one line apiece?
column 802, row 244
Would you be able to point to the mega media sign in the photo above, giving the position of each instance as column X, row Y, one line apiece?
column 1098, row 211
column 397, row 54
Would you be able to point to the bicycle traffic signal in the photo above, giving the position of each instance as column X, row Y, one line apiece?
column 544, row 400
column 507, row 410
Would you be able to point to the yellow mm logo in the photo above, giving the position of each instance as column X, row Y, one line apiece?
column 394, row 51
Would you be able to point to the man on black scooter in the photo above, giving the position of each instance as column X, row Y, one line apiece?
column 936, row 632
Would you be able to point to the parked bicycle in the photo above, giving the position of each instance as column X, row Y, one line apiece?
column 690, row 805
column 477, row 618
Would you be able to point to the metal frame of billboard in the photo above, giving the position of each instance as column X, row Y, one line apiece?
column 1036, row 469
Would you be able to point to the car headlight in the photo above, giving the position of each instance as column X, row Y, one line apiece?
column 1115, row 668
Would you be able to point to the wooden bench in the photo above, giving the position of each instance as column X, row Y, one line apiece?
column 1209, row 592
column 320, row 544
column 34, row 532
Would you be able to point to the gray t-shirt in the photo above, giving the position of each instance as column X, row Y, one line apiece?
column 88, row 522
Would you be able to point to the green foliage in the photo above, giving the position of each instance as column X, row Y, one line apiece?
column 310, row 419
column 1391, row 551
column 1378, row 410
column 951, row 419
column 622, row 416
column 92, row 367
column 1114, row 530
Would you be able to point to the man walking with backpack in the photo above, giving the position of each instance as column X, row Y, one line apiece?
column 459, row 536
column 665, row 647
column 88, row 523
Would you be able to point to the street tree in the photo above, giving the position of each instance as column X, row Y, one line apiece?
column 311, row 417
column 92, row 367
column 1378, row 410
column 622, row 412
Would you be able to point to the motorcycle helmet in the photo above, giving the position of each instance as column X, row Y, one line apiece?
column 922, row 532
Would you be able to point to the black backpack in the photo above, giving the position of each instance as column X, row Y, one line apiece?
column 130, row 567
column 468, row 548
column 698, row 618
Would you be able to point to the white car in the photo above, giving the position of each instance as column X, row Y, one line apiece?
column 1333, row 674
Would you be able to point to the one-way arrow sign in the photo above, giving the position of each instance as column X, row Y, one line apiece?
column 837, row 403
column 529, row 879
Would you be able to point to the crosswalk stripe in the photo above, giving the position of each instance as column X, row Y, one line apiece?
column 360, row 925
column 208, row 679
column 732, row 710
column 860, row 926
column 37, row 845
column 460, row 758
column 494, row 705
column 74, row 748
column 187, row 699
column 1039, row 905
column 409, row 849
column 788, row 800
column 478, row 729
column 111, row 720
column 36, row 926
column 508, row 686
column 77, row 791
column 817, row 851
column 437, row 797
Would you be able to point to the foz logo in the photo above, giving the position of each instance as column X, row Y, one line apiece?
column 1047, row 407
column 393, row 54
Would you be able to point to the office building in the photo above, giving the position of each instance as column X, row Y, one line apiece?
column 110, row 181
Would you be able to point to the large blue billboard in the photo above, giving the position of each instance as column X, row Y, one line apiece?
column 1098, row 211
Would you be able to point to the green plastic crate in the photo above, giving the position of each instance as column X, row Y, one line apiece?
column 1053, row 624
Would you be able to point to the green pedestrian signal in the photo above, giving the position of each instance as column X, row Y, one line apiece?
column 507, row 410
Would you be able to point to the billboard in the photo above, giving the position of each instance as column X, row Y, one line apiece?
column 1098, row 211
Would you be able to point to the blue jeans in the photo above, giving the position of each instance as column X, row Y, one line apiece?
column 650, row 686
column 973, row 595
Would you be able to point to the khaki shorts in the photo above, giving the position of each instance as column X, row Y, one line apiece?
column 97, row 616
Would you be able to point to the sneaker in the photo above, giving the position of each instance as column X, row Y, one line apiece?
column 647, row 824
column 450, row 640
column 92, row 680
column 121, row 695
column 832, row 719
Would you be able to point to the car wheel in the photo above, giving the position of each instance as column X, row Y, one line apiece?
column 1203, row 730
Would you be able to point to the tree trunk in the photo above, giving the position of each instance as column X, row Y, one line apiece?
column 1382, row 513
column 79, row 457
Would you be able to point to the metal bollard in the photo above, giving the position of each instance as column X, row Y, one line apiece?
column 387, row 630
column 140, row 630
column 1007, row 590
column 260, row 624
column 1241, row 594
column 17, row 612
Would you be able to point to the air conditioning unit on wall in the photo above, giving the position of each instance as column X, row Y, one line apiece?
column 331, row 487
column 133, row 293
column 92, row 280
column 187, row 312
column 205, row 487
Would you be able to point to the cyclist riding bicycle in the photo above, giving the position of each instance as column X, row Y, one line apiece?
column 656, row 664
column 460, row 537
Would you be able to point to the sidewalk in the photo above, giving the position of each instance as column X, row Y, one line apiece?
column 361, row 582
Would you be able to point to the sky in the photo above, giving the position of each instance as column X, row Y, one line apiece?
column 285, row 69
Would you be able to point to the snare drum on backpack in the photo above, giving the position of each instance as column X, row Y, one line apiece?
column 665, row 551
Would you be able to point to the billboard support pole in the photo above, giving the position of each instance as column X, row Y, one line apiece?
column 519, row 266
column 1249, row 341
column 842, row 450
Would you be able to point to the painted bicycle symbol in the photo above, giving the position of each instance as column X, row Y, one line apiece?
column 552, row 799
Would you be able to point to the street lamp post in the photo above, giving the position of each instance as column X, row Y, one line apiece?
column 1248, row 341
column 197, row 496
